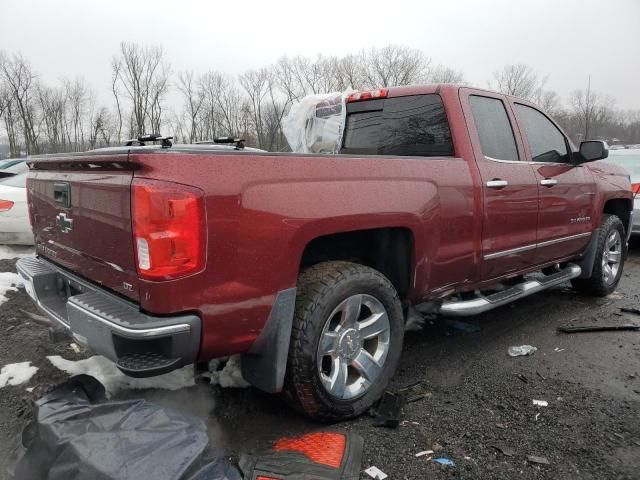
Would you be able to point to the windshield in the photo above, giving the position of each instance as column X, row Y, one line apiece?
column 627, row 159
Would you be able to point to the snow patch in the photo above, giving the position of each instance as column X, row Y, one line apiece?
column 105, row 371
column 16, row 373
column 9, row 282
column 229, row 376
column 9, row 253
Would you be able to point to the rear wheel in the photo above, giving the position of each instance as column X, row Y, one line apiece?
column 609, row 260
column 346, row 340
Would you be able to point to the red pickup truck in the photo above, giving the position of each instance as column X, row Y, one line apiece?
column 463, row 200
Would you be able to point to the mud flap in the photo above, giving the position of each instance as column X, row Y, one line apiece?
column 318, row 456
column 265, row 364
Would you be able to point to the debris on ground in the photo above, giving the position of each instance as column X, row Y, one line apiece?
column 375, row 473
column 436, row 447
column 74, row 421
column 522, row 378
column 74, row 347
column 39, row 319
column 445, row 461
column 522, row 350
column 226, row 372
column 318, row 455
column 506, row 451
column 539, row 460
column 598, row 328
column 17, row 373
column 106, row 372
column 541, row 403
column 423, row 453
column 389, row 410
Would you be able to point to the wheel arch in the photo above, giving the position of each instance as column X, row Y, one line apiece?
column 390, row 250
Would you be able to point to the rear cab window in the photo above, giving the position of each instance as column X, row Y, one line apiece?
column 494, row 128
column 414, row 125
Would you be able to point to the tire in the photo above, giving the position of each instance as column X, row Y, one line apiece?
column 328, row 296
column 606, row 273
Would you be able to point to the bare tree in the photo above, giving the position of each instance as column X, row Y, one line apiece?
column 193, row 100
column 102, row 130
column 20, row 81
column 143, row 74
column 79, row 100
column 395, row 65
column 300, row 76
column 591, row 110
column 442, row 74
column 52, row 104
column 517, row 80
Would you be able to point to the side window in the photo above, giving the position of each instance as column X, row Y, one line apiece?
column 494, row 129
column 546, row 142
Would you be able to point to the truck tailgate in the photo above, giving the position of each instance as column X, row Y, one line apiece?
column 80, row 207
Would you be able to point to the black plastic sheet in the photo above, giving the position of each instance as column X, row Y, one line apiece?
column 77, row 434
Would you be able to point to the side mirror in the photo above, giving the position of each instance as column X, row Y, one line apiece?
column 592, row 150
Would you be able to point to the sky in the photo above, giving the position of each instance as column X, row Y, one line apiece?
column 564, row 40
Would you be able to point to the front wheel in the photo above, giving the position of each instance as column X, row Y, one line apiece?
column 346, row 340
column 609, row 260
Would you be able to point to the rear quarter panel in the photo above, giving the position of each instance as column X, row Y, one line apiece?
column 263, row 210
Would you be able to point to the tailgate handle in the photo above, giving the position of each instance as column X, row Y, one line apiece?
column 62, row 194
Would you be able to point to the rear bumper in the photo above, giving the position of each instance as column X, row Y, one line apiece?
column 141, row 345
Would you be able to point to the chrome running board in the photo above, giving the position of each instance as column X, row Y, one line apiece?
column 483, row 303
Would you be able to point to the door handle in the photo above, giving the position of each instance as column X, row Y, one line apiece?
column 497, row 183
column 548, row 182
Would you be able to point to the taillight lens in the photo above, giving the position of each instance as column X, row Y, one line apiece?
column 635, row 188
column 5, row 205
column 169, row 228
column 368, row 95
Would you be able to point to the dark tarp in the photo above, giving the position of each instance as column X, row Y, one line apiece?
column 78, row 435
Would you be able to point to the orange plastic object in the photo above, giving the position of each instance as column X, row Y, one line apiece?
column 323, row 448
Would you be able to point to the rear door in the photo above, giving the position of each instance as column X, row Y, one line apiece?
column 509, row 186
column 80, row 209
column 566, row 191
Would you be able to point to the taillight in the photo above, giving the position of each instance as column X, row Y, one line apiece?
column 368, row 95
column 635, row 188
column 5, row 205
column 169, row 228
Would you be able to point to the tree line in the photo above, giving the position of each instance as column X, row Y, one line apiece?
column 39, row 118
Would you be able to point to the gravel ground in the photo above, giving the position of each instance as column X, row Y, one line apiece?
column 479, row 399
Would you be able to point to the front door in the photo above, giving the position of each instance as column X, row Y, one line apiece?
column 509, row 186
column 566, row 191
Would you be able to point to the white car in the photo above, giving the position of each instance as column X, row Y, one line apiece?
column 630, row 159
column 15, row 228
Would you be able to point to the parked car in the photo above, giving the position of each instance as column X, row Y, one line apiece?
column 4, row 164
column 630, row 160
column 160, row 256
column 14, row 219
